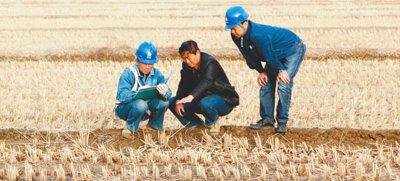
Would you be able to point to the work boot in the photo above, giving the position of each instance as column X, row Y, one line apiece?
column 281, row 128
column 261, row 124
column 215, row 129
column 126, row 133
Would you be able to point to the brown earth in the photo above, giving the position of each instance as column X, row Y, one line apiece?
column 124, row 54
column 112, row 138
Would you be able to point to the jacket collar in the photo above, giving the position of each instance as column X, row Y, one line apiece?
column 246, row 35
column 140, row 75
column 204, row 57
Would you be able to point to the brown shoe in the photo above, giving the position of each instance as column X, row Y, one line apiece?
column 126, row 133
column 149, row 127
column 202, row 126
column 215, row 129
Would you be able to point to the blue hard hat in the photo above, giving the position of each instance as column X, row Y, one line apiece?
column 147, row 53
column 234, row 16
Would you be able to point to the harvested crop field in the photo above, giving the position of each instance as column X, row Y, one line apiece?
column 239, row 153
column 60, row 63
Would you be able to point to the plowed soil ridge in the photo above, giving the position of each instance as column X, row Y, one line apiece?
column 127, row 54
column 111, row 138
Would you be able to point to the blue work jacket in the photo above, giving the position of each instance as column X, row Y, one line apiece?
column 268, row 44
column 127, row 80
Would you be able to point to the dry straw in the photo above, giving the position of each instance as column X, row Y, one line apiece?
column 67, row 90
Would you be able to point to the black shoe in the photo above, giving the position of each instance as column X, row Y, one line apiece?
column 261, row 124
column 281, row 128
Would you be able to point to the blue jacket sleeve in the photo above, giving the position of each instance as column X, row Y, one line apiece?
column 125, row 84
column 263, row 46
column 252, row 63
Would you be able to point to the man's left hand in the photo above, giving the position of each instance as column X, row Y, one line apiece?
column 186, row 99
column 284, row 77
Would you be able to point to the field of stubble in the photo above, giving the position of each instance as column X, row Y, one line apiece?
column 60, row 63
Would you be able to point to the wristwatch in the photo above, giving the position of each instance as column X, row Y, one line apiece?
column 281, row 71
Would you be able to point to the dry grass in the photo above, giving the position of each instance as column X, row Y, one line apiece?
column 215, row 159
column 57, row 26
column 68, row 95
column 61, row 60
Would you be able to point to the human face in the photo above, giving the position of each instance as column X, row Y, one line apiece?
column 191, row 59
column 238, row 31
column 144, row 68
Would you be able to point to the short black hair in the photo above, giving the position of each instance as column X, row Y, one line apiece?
column 190, row 46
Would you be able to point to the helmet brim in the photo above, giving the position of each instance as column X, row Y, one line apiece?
column 230, row 26
column 146, row 61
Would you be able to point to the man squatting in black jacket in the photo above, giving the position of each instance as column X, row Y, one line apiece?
column 204, row 88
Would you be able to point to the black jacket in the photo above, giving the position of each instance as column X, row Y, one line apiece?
column 210, row 79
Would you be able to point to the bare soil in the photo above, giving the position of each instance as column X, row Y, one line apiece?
column 123, row 54
column 112, row 138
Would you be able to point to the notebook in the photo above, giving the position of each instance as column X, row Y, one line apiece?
column 146, row 92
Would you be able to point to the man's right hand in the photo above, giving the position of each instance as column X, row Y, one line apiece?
column 162, row 89
column 179, row 108
column 262, row 79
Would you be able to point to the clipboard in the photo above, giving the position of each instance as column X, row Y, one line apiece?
column 147, row 92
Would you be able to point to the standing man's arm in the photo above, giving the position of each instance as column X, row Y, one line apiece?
column 264, row 48
column 262, row 78
column 252, row 63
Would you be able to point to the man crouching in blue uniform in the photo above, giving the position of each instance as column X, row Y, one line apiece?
column 133, row 109
column 281, row 50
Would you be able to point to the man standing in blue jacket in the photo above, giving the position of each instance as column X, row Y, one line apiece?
column 281, row 49
column 142, row 73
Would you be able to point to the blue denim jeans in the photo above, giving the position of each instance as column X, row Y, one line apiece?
column 135, row 111
column 212, row 107
column 267, row 93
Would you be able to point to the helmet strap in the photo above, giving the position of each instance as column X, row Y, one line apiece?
column 244, row 29
column 244, row 32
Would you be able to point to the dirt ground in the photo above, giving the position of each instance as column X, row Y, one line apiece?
column 294, row 136
column 122, row 55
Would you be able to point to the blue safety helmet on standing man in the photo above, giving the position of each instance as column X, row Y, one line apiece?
column 147, row 53
column 235, row 15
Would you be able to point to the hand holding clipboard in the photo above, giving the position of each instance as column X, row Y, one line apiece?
column 146, row 92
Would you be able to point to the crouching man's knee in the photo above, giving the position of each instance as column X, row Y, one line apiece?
column 139, row 105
